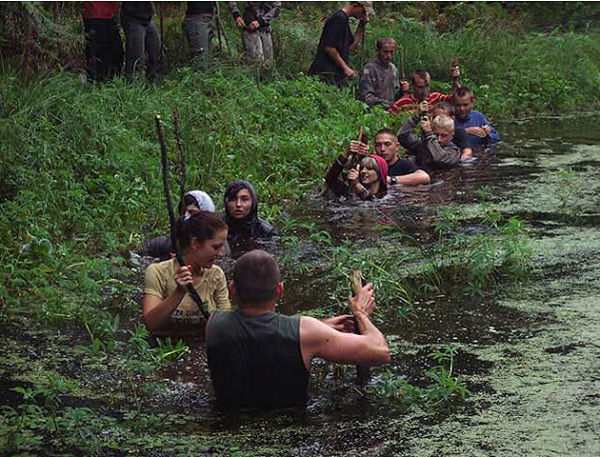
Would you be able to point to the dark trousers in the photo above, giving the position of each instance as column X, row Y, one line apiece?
column 198, row 30
column 142, row 46
column 103, row 49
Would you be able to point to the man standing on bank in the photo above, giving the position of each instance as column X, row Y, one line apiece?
column 255, row 24
column 198, row 29
column 261, row 359
column 331, row 62
column 379, row 79
column 142, row 41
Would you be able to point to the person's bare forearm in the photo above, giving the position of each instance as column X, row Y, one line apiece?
column 337, row 58
column 414, row 179
column 360, row 30
column 379, row 349
column 158, row 316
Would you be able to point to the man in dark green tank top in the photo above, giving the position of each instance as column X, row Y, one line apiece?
column 261, row 359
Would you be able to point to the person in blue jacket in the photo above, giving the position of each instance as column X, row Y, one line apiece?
column 478, row 128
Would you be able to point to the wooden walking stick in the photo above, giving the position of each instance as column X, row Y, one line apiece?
column 162, row 37
column 403, row 74
column 221, row 29
column 354, row 160
column 165, row 175
column 363, row 374
column 181, row 154
column 455, row 79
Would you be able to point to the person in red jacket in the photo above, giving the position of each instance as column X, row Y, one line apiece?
column 103, row 46
column 420, row 92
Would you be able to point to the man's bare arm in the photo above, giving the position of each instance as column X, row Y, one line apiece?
column 414, row 179
column 339, row 62
column 369, row 348
column 360, row 30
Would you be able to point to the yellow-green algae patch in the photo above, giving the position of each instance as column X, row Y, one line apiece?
column 546, row 387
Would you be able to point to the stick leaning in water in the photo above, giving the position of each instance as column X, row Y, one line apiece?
column 165, row 175
column 363, row 374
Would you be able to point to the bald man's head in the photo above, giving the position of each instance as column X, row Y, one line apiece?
column 256, row 277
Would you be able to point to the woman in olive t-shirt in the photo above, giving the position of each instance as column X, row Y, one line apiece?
column 166, row 305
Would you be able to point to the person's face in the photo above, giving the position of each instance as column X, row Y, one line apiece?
column 358, row 11
column 444, row 136
column 463, row 105
column 191, row 209
column 387, row 147
column 386, row 53
column 239, row 207
column 368, row 176
column 207, row 251
column 441, row 111
column 420, row 88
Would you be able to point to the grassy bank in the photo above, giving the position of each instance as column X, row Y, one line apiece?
column 80, row 179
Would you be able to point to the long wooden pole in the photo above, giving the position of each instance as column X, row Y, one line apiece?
column 165, row 175
column 181, row 155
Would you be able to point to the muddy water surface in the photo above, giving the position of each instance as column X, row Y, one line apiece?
column 530, row 352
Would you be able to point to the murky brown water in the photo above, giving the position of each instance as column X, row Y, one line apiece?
column 499, row 333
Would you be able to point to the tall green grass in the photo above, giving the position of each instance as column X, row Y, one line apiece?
column 80, row 163
column 79, row 168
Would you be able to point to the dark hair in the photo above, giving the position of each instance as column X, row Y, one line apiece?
column 202, row 226
column 447, row 107
column 232, row 190
column 381, row 42
column 188, row 199
column 463, row 91
column 421, row 74
column 386, row 131
column 256, row 276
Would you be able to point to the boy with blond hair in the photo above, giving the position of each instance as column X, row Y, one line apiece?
column 434, row 148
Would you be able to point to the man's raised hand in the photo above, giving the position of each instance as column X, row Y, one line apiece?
column 455, row 71
column 364, row 301
column 477, row 131
column 426, row 125
column 343, row 323
column 404, row 86
column 239, row 21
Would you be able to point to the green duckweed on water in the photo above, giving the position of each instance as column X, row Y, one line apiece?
column 497, row 260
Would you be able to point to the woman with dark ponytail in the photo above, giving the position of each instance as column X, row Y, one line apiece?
column 167, row 305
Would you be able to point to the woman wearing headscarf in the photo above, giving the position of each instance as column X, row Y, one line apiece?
column 193, row 202
column 241, row 213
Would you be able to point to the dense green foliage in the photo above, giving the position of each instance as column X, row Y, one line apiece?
column 80, row 179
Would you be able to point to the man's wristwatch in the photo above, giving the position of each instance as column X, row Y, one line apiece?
column 393, row 180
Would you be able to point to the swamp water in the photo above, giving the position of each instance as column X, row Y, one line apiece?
column 529, row 350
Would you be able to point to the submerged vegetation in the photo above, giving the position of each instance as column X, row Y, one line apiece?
column 80, row 188
column 444, row 386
